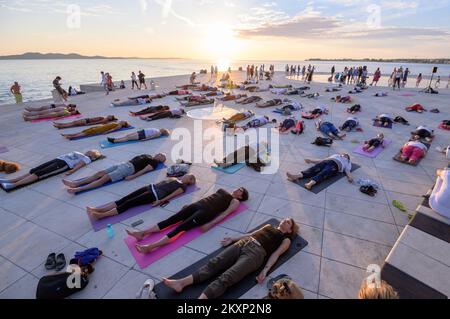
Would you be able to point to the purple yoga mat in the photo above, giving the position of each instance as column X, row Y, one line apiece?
column 103, row 223
column 146, row 260
column 3, row 149
column 375, row 153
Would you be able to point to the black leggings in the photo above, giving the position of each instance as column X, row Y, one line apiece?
column 50, row 168
column 190, row 216
column 151, row 109
column 160, row 115
column 142, row 196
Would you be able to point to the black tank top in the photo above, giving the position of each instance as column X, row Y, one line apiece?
column 217, row 202
column 270, row 238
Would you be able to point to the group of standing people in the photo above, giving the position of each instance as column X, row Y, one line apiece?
column 255, row 72
column 353, row 75
column 107, row 82
column 399, row 78
column 306, row 73
column 135, row 78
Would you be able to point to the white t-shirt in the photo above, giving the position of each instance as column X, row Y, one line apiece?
column 385, row 116
column 133, row 77
column 417, row 144
column 72, row 159
column 149, row 132
column 346, row 165
column 440, row 197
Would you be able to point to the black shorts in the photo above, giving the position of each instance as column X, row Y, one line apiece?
column 422, row 133
column 50, row 168
column 141, row 135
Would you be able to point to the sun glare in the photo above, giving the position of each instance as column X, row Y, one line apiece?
column 220, row 42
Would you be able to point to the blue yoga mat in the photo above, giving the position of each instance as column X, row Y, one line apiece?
column 160, row 166
column 106, row 144
column 229, row 170
column 122, row 129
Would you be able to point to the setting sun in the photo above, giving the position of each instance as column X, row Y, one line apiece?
column 221, row 43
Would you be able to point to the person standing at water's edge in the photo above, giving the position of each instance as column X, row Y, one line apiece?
column 419, row 79
column 58, row 88
column 15, row 90
column 134, row 81
column 141, row 77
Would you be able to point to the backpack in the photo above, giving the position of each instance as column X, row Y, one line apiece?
column 56, row 286
column 323, row 141
column 178, row 170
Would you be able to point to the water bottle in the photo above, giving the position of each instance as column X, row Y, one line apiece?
column 110, row 231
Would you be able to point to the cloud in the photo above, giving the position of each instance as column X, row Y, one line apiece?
column 143, row 4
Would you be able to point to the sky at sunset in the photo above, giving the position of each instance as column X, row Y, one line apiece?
column 228, row 29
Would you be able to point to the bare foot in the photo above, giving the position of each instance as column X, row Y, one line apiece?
column 174, row 284
column 72, row 190
column 293, row 177
column 96, row 216
column 91, row 209
column 143, row 249
column 310, row 185
column 69, row 183
column 139, row 235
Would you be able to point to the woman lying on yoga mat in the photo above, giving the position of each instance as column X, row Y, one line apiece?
column 97, row 130
column 204, row 88
column 243, row 255
column 413, row 151
column 310, row 95
column 355, row 90
column 415, row 108
column 150, row 110
column 248, row 100
column 270, row 103
column 48, row 107
column 381, row 94
column 173, row 114
column 179, row 92
column 371, row 145
column 9, row 167
column 255, row 123
column 318, row 111
column 141, row 135
column 238, row 117
column 250, row 154
column 350, row 124
column 230, row 97
column 69, row 163
column 128, row 171
column 342, row 99
column 205, row 213
column 329, row 130
column 354, row 109
column 131, row 102
column 324, row 169
column 154, row 194
column 86, row 122
column 423, row 132
column 384, row 119
column 50, row 113
column 203, row 101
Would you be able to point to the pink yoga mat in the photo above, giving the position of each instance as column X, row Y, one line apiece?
column 375, row 153
column 56, row 118
column 103, row 223
column 146, row 260
column 407, row 94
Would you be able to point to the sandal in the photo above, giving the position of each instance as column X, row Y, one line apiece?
column 51, row 262
column 148, row 287
column 60, row 262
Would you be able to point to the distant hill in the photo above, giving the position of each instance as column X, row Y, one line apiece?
column 60, row 56
column 428, row 61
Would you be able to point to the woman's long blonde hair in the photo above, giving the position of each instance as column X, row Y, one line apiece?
column 384, row 291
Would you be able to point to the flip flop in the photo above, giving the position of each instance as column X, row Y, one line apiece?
column 148, row 287
column 399, row 205
column 51, row 261
column 60, row 262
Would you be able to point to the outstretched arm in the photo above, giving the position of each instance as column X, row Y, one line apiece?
column 147, row 169
column 273, row 259
column 76, row 168
column 233, row 206
column 312, row 161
